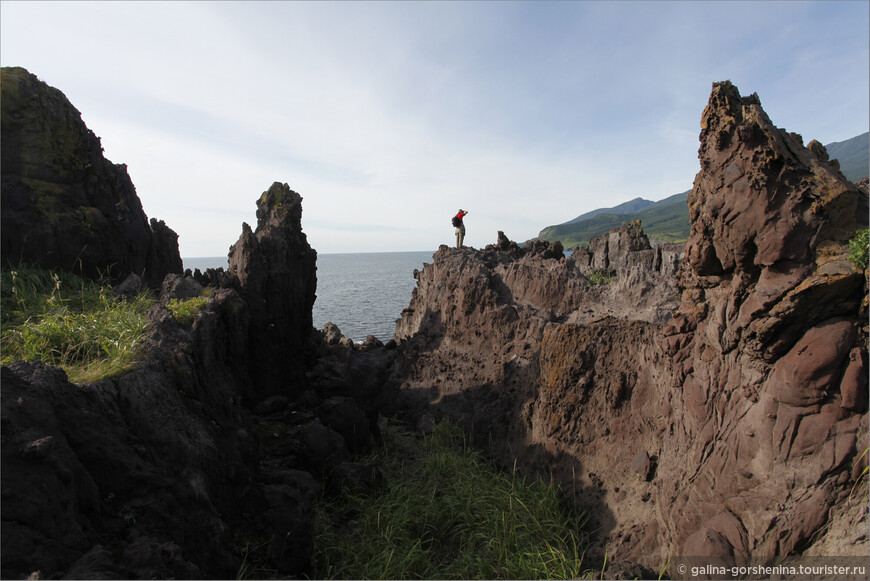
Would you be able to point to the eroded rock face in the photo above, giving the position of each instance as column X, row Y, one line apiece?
column 627, row 247
column 146, row 471
column 277, row 271
column 482, row 340
column 183, row 467
column 162, row 472
column 734, row 373
column 762, row 341
column 64, row 205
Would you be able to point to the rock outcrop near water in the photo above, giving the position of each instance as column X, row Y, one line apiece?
column 707, row 400
column 206, row 459
column 713, row 405
column 197, row 463
column 64, row 205
column 276, row 269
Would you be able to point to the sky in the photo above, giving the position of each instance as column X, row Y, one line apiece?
column 388, row 117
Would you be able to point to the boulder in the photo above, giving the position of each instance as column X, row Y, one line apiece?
column 130, row 287
column 332, row 335
column 271, row 405
column 177, row 287
column 343, row 415
column 324, row 447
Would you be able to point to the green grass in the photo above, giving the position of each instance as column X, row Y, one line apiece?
column 858, row 248
column 65, row 321
column 185, row 310
column 449, row 515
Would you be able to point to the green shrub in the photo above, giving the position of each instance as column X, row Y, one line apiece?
column 71, row 323
column 452, row 515
column 602, row 276
column 858, row 248
column 185, row 310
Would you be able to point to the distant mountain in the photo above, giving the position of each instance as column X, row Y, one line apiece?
column 668, row 220
column 853, row 155
column 630, row 207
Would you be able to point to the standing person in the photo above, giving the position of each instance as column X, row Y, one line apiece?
column 460, row 227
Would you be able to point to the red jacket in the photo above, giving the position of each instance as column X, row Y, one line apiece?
column 461, row 215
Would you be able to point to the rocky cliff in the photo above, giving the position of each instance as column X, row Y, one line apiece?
column 206, row 458
column 198, row 462
column 64, row 205
column 711, row 402
column 706, row 400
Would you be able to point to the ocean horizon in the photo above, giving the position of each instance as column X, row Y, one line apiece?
column 363, row 293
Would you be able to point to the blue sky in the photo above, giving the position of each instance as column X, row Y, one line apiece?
column 389, row 116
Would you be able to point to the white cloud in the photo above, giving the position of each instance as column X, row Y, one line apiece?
column 387, row 117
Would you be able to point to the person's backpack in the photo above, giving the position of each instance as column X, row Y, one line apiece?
column 456, row 222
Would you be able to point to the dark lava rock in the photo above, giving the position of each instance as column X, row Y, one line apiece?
column 64, row 205
column 277, row 272
column 179, row 288
column 270, row 405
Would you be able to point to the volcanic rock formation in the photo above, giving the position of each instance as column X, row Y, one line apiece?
column 202, row 458
column 707, row 402
column 64, row 205
column 183, row 467
column 768, row 342
column 276, row 269
column 717, row 409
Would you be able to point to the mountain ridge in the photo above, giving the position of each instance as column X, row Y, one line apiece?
column 667, row 220
column 853, row 155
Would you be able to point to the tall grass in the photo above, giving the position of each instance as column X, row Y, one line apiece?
column 63, row 320
column 451, row 515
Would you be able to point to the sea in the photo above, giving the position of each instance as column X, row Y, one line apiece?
column 362, row 293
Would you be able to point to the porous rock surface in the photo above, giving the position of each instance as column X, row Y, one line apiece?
column 705, row 403
column 64, row 205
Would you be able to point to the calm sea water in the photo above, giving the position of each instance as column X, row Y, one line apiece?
column 362, row 293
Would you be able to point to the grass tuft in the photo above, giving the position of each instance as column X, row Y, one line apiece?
column 185, row 310
column 65, row 321
column 451, row 515
column 601, row 277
